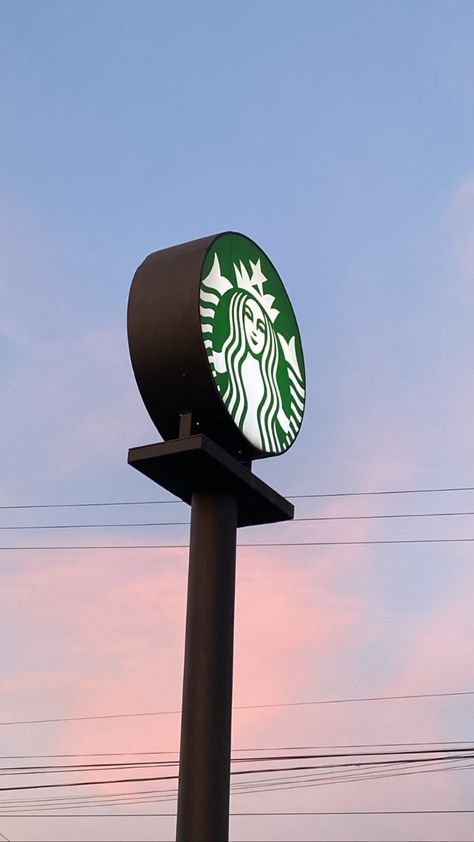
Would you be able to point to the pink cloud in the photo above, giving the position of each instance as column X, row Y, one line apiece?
column 120, row 625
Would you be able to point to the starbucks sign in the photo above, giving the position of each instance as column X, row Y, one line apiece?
column 213, row 338
column 252, row 341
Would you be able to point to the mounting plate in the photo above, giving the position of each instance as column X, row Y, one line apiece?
column 196, row 463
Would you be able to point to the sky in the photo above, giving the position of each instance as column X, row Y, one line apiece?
column 340, row 137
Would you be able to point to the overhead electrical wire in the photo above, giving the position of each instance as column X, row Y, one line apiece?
column 245, row 787
column 262, row 544
column 291, row 497
column 286, row 813
column 439, row 744
column 359, row 768
column 372, row 765
column 320, row 776
column 398, row 753
column 381, row 517
column 323, row 777
column 136, row 796
column 339, row 774
column 249, row 814
column 318, row 781
column 401, row 696
column 381, row 493
column 348, row 700
column 323, row 518
column 257, row 785
column 95, row 801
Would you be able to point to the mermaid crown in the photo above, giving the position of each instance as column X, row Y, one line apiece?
column 253, row 284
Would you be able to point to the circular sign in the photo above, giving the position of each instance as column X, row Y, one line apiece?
column 252, row 342
column 215, row 346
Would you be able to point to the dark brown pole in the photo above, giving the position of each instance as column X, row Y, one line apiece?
column 204, row 771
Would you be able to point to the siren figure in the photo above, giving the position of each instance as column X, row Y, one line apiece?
column 250, row 356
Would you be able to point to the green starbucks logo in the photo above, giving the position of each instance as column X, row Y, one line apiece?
column 252, row 342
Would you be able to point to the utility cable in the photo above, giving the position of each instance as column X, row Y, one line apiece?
column 439, row 745
column 249, row 814
column 319, row 781
column 38, row 770
column 380, row 493
column 245, row 787
column 371, row 764
column 442, row 694
column 323, row 518
column 291, row 497
column 275, row 758
column 245, row 546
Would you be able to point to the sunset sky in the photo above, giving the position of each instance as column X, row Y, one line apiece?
column 340, row 137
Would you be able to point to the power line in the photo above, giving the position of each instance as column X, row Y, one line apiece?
column 439, row 744
column 359, row 764
column 322, row 747
column 87, row 783
column 160, row 796
column 258, row 759
column 276, row 758
column 322, row 518
column 95, row 525
column 442, row 694
column 379, row 493
column 100, row 754
column 332, row 755
column 330, row 779
column 357, row 813
column 382, row 517
column 245, row 546
column 322, row 774
column 365, row 699
column 335, row 775
column 291, row 497
column 92, row 505
column 273, row 813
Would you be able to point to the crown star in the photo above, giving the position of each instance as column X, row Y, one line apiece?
column 254, row 285
column 258, row 278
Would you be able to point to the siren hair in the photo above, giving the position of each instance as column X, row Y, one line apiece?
column 235, row 350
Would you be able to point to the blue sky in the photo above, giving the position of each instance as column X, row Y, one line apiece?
column 340, row 137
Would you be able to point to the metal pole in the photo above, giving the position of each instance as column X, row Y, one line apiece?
column 204, row 771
